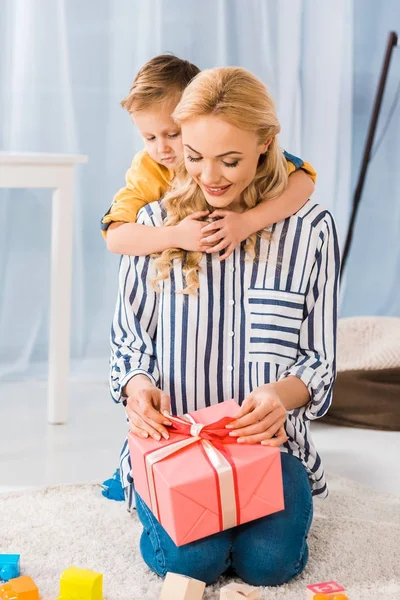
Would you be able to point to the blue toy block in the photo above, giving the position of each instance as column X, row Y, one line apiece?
column 9, row 566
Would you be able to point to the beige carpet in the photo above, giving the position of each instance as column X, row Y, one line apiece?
column 355, row 540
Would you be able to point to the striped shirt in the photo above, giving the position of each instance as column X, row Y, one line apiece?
column 255, row 320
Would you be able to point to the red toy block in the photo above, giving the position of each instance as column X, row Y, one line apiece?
column 20, row 588
column 327, row 590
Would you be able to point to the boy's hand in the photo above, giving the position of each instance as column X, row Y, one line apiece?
column 226, row 232
column 188, row 233
column 261, row 417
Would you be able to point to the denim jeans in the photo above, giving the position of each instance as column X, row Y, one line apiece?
column 266, row 552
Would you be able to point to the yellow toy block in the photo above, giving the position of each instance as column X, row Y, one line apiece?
column 19, row 588
column 239, row 591
column 180, row 587
column 81, row 584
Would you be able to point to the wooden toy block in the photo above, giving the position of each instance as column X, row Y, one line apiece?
column 81, row 584
column 329, row 588
column 20, row 588
column 9, row 566
column 180, row 587
column 239, row 591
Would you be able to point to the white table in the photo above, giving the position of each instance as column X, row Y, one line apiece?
column 55, row 171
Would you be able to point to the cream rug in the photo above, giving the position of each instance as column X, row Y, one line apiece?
column 354, row 540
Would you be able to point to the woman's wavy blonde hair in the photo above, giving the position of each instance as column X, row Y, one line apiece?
column 240, row 98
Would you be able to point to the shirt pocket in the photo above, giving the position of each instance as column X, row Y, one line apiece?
column 273, row 328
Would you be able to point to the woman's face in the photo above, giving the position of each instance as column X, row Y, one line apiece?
column 221, row 158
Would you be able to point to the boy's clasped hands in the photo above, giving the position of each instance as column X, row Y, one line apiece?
column 225, row 230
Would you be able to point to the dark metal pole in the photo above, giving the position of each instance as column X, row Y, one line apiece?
column 392, row 42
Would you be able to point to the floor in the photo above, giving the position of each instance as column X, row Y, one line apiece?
column 35, row 454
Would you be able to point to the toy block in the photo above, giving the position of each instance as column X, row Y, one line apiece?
column 81, row 584
column 180, row 587
column 20, row 588
column 334, row 597
column 239, row 591
column 9, row 566
column 329, row 588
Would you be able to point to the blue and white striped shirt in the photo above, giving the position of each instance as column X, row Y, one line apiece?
column 255, row 320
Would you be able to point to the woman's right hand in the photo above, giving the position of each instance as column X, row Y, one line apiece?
column 188, row 232
column 145, row 406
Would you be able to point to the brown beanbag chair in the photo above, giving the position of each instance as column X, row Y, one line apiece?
column 367, row 389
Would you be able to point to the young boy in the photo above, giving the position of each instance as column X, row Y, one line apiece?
column 154, row 94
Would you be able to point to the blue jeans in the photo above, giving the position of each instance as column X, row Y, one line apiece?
column 266, row 552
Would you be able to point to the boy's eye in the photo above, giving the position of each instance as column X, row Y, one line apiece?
column 234, row 164
column 173, row 135
column 150, row 139
column 192, row 159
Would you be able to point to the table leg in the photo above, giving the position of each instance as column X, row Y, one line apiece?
column 60, row 300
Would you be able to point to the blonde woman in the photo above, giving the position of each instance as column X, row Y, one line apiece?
column 190, row 331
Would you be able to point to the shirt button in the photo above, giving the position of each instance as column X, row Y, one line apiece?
column 230, row 368
column 231, row 302
column 232, row 269
column 231, row 333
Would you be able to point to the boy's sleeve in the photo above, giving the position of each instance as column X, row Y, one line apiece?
column 145, row 183
column 294, row 163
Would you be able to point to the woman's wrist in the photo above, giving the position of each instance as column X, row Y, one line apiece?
column 139, row 381
column 292, row 392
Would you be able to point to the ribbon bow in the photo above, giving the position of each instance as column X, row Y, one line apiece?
column 213, row 432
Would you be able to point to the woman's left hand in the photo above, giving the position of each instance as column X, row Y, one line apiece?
column 261, row 417
column 225, row 233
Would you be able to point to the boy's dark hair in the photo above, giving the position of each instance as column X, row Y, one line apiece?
column 163, row 76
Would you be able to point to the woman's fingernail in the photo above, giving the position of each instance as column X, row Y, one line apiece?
column 166, row 423
column 228, row 426
column 144, row 434
column 157, row 436
column 264, row 443
column 234, row 433
column 166, row 413
column 240, row 440
column 165, row 436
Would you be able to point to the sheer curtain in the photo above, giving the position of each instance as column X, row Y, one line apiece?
column 371, row 285
column 64, row 67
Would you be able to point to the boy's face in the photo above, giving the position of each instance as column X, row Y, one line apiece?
column 161, row 136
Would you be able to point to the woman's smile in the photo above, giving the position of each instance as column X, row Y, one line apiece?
column 216, row 190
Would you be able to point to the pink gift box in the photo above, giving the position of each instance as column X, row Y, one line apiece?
column 206, row 485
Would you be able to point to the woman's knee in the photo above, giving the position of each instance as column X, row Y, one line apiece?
column 272, row 568
column 205, row 559
column 273, row 550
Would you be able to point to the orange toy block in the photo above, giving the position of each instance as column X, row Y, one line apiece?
column 180, row 587
column 334, row 597
column 239, row 591
column 19, row 588
column 327, row 590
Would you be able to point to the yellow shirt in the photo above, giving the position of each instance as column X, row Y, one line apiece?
column 147, row 181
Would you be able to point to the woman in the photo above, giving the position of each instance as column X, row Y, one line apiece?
column 260, row 327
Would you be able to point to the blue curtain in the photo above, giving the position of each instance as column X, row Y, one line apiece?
column 66, row 64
